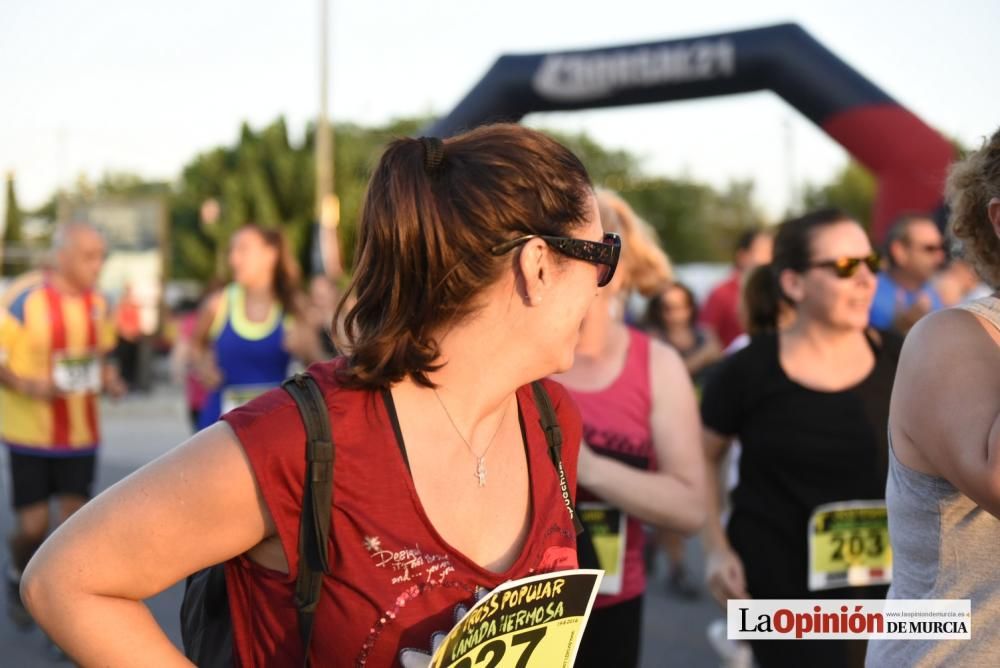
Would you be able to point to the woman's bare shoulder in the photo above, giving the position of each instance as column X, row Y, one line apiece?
column 950, row 334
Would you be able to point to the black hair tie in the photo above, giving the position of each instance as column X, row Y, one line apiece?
column 433, row 154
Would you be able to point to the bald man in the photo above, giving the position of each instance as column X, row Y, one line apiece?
column 55, row 333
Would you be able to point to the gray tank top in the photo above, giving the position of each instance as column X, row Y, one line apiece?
column 944, row 546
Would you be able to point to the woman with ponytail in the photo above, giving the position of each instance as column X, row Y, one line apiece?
column 248, row 332
column 478, row 257
column 808, row 402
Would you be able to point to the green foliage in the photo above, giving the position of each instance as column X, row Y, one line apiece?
column 852, row 190
column 694, row 222
column 609, row 167
column 266, row 178
column 13, row 236
column 263, row 179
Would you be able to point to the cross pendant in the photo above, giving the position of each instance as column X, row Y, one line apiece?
column 481, row 471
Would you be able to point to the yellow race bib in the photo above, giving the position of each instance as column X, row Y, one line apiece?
column 849, row 545
column 234, row 396
column 606, row 526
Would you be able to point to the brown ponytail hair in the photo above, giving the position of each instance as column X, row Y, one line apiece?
column 760, row 301
column 286, row 277
column 432, row 211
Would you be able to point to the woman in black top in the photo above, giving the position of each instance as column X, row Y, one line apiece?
column 809, row 404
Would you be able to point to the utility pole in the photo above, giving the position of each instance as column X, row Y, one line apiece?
column 327, row 204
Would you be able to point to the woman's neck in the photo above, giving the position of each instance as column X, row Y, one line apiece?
column 597, row 334
column 819, row 338
column 258, row 292
column 479, row 371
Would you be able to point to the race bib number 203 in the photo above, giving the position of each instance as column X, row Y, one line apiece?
column 849, row 545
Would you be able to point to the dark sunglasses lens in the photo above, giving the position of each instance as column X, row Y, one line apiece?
column 846, row 267
column 607, row 271
column 603, row 275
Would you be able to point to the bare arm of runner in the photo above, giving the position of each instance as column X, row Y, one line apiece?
column 111, row 381
column 302, row 337
column 671, row 497
column 945, row 411
column 196, row 506
column 710, row 352
column 202, row 358
column 724, row 569
column 36, row 388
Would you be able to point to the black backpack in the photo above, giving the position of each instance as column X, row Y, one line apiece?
column 206, row 627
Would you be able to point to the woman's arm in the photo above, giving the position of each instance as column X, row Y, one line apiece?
column 302, row 336
column 724, row 571
column 202, row 359
column 196, row 506
column 709, row 352
column 673, row 496
column 945, row 410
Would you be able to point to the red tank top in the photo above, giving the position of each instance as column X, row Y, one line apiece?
column 616, row 423
column 394, row 581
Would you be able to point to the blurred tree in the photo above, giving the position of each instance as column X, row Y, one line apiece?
column 612, row 168
column 852, row 189
column 13, row 236
column 266, row 178
column 675, row 209
column 694, row 222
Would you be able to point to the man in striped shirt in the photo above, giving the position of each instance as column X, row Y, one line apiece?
column 55, row 332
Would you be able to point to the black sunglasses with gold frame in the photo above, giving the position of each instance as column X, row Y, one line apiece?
column 845, row 267
column 603, row 253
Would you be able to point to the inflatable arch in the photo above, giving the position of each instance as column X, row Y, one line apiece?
column 908, row 158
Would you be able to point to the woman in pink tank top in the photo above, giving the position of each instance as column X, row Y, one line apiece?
column 640, row 459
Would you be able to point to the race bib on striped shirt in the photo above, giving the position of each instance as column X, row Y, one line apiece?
column 76, row 374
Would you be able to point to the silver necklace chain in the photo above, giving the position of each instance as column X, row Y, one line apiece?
column 480, row 459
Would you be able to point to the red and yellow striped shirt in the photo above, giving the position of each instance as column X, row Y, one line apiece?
column 47, row 334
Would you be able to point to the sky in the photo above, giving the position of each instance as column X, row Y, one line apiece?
column 137, row 86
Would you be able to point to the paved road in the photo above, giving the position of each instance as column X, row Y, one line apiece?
column 140, row 428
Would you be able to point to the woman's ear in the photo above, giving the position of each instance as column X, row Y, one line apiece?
column 993, row 210
column 535, row 271
column 792, row 285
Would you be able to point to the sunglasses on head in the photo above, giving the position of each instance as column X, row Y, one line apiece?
column 602, row 253
column 845, row 267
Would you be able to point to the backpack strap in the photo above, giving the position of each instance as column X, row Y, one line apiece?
column 553, row 435
column 317, row 502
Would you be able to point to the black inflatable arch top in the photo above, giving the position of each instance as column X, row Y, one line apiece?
column 908, row 158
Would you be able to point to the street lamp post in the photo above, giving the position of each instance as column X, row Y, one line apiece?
column 327, row 204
